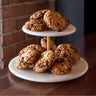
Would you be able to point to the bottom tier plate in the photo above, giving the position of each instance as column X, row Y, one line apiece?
column 78, row 69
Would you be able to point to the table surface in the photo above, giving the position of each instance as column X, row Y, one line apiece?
column 85, row 85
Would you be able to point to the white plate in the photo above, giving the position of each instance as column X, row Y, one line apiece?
column 78, row 69
column 69, row 30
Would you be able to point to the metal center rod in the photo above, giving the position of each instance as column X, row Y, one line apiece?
column 48, row 43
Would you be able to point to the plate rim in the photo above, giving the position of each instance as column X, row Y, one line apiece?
column 23, row 77
column 49, row 33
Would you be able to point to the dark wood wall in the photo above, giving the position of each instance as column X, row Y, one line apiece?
column 90, row 16
column 79, row 12
column 74, row 10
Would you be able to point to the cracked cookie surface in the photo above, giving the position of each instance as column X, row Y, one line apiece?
column 67, row 51
column 28, row 56
column 46, row 60
column 38, row 15
column 61, row 68
column 36, row 25
column 54, row 20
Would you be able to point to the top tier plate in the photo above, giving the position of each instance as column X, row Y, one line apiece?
column 69, row 30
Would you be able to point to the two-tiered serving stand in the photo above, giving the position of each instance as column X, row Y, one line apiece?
column 78, row 69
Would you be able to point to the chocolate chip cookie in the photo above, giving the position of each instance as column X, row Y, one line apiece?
column 67, row 51
column 54, row 20
column 44, row 44
column 46, row 60
column 38, row 14
column 28, row 56
column 67, row 21
column 61, row 68
column 36, row 25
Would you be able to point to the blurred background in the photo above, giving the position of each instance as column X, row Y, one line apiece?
column 80, row 12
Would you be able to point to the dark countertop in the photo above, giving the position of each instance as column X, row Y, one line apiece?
column 85, row 85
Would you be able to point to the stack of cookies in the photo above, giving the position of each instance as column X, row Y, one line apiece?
column 58, row 60
column 47, row 19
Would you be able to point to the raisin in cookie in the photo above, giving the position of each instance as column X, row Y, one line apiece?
column 36, row 25
column 28, row 56
column 54, row 20
column 38, row 14
column 44, row 44
column 46, row 60
column 61, row 68
column 67, row 51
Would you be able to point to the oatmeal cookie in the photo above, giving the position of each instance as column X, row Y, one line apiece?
column 67, row 21
column 67, row 51
column 38, row 14
column 61, row 68
column 54, row 20
column 44, row 44
column 36, row 25
column 46, row 60
column 28, row 56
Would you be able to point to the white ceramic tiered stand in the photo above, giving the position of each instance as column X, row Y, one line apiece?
column 78, row 69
